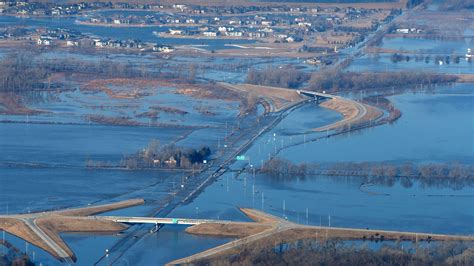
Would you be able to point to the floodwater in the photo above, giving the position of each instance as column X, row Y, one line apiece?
column 144, row 34
column 434, row 127
column 435, row 50
column 429, row 46
column 418, row 136
column 383, row 63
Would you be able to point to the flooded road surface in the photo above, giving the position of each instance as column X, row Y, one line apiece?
column 316, row 200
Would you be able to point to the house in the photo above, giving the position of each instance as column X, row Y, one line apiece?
column 203, row 21
column 176, row 32
column 180, row 7
column 171, row 162
column 55, row 11
column 235, row 33
column 235, row 22
column 99, row 43
column 210, row 33
column 304, row 24
column 163, row 48
column 259, row 34
column 72, row 43
column 405, row 31
column 44, row 41
column 313, row 61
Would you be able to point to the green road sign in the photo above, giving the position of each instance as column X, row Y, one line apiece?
column 241, row 158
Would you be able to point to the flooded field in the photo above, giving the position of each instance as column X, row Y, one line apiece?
column 441, row 56
column 433, row 128
column 43, row 164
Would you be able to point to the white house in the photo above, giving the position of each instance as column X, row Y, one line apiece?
column 176, row 32
column 210, row 33
column 72, row 43
column 44, row 41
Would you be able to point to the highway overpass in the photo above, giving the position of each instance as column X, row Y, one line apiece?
column 316, row 95
column 161, row 221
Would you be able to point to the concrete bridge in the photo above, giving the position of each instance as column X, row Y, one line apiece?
column 158, row 221
column 316, row 95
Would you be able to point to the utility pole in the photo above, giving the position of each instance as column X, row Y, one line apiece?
column 307, row 215
column 284, row 207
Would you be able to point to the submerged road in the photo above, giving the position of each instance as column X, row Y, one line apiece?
column 194, row 185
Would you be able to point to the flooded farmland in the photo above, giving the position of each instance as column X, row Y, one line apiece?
column 68, row 146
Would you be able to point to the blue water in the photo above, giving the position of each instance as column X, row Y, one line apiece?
column 383, row 63
column 433, row 128
column 426, row 45
column 74, row 144
column 121, row 33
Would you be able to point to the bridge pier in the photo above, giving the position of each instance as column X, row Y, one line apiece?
column 156, row 228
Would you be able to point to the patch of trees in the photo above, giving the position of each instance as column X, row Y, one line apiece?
column 22, row 73
column 167, row 156
column 284, row 76
column 19, row 73
column 335, row 252
column 335, row 80
column 445, row 59
column 393, row 112
column 13, row 256
column 454, row 175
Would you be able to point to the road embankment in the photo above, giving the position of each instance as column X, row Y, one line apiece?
column 353, row 112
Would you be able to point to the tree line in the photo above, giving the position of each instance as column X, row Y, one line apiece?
column 286, row 77
column 25, row 72
column 446, row 59
column 454, row 175
column 380, row 101
column 336, row 252
column 20, row 74
column 335, row 80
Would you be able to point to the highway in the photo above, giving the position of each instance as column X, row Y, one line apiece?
column 62, row 254
column 279, row 225
column 359, row 116
column 241, row 141
column 155, row 220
